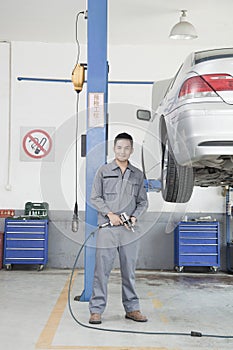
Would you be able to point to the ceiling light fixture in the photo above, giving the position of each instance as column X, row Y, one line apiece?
column 183, row 29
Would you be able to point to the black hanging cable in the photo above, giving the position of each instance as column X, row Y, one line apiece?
column 76, row 148
column 76, row 35
column 75, row 220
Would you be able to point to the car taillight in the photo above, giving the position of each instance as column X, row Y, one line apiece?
column 206, row 85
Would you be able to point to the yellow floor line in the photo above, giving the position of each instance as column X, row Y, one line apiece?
column 163, row 318
column 157, row 303
column 47, row 335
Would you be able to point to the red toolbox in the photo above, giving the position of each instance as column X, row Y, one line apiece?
column 1, row 249
column 4, row 213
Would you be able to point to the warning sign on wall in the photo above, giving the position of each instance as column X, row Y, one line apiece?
column 37, row 144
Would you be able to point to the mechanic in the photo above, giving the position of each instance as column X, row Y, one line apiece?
column 118, row 187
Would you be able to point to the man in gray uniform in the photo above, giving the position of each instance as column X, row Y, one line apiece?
column 118, row 187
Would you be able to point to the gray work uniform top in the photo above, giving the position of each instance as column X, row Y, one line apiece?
column 117, row 193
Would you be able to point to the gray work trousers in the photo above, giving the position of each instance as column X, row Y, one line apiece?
column 109, row 242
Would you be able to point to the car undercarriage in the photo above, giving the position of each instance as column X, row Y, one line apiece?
column 214, row 172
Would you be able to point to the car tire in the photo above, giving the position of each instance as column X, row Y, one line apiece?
column 176, row 181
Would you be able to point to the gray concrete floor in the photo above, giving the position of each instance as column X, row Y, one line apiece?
column 35, row 315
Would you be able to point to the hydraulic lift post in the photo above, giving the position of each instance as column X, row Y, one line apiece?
column 229, row 242
column 96, row 148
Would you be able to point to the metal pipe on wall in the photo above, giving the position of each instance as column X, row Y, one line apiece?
column 8, row 186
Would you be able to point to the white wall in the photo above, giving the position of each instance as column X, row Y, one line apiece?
column 47, row 104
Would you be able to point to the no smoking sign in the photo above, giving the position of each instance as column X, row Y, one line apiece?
column 37, row 144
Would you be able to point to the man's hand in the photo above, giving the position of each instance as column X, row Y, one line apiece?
column 131, row 224
column 114, row 219
column 133, row 220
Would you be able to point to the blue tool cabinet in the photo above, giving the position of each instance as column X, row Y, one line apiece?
column 25, row 242
column 197, row 243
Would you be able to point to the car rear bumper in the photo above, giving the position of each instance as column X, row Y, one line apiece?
column 202, row 133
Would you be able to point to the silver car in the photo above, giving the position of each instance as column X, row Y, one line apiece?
column 192, row 122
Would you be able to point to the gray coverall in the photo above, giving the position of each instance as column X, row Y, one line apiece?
column 117, row 193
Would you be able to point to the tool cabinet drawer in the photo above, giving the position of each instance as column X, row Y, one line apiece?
column 25, row 242
column 20, row 243
column 197, row 243
column 24, row 254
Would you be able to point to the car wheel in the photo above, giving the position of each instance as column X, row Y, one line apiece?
column 176, row 180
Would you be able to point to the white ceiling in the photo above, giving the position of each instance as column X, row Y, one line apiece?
column 131, row 22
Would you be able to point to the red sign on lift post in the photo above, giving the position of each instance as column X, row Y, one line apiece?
column 37, row 143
